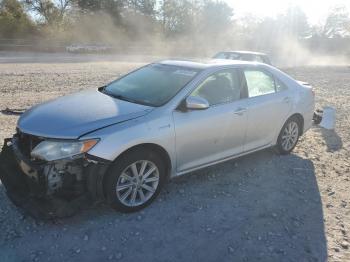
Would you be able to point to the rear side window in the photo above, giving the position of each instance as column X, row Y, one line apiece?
column 221, row 55
column 259, row 83
column 247, row 57
column 235, row 56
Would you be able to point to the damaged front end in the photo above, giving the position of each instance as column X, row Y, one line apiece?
column 49, row 189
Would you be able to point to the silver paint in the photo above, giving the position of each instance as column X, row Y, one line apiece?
column 192, row 139
column 74, row 115
column 137, row 183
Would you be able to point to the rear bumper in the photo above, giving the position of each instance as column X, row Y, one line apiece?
column 26, row 185
column 308, row 117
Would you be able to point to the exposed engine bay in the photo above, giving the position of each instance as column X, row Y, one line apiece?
column 49, row 189
column 63, row 172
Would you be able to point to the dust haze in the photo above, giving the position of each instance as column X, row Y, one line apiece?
column 190, row 29
column 262, row 207
column 286, row 50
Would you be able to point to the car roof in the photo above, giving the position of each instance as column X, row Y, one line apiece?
column 244, row 52
column 204, row 64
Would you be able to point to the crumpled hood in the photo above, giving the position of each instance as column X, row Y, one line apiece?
column 72, row 116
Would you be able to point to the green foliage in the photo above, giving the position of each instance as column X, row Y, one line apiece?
column 48, row 11
column 114, row 8
column 144, row 7
column 187, row 17
column 195, row 24
column 295, row 23
column 14, row 22
column 177, row 16
column 215, row 17
column 337, row 23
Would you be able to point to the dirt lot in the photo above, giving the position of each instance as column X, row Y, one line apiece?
column 261, row 207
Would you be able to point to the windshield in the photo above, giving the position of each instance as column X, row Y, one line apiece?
column 152, row 85
column 227, row 55
column 221, row 55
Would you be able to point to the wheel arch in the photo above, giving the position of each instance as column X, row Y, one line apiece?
column 161, row 151
column 108, row 177
column 300, row 119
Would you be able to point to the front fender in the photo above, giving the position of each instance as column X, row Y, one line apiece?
column 115, row 140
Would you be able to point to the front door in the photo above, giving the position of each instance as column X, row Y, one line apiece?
column 205, row 136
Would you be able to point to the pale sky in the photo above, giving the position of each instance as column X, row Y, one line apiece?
column 316, row 10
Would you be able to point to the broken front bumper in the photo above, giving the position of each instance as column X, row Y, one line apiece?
column 27, row 186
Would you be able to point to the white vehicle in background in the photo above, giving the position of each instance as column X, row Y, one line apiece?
column 88, row 48
column 244, row 56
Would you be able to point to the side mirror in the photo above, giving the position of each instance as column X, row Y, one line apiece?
column 196, row 103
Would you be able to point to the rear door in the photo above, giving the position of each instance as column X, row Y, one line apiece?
column 269, row 103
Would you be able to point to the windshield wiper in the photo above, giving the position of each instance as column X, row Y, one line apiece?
column 121, row 97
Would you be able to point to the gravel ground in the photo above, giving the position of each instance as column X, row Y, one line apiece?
column 261, row 207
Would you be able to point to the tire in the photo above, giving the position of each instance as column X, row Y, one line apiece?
column 289, row 136
column 127, row 192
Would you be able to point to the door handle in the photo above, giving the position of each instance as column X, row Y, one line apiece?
column 240, row 111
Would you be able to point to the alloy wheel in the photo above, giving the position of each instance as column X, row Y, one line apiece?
column 137, row 183
column 290, row 136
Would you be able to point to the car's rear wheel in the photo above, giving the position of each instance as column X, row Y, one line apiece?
column 134, row 180
column 289, row 136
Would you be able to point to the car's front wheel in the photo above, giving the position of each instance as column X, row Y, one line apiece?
column 289, row 136
column 134, row 180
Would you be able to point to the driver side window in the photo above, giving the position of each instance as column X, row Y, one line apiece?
column 221, row 87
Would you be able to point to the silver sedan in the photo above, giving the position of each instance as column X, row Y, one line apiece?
column 122, row 141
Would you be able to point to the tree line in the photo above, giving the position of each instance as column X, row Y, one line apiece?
column 194, row 22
